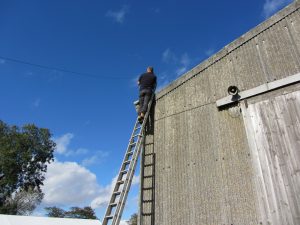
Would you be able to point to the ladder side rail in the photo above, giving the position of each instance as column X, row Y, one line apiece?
column 120, row 175
column 132, row 167
column 129, row 176
column 127, row 185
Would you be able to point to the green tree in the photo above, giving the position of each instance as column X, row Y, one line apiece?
column 133, row 219
column 82, row 213
column 23, row 202
column 75, row 212
column 55, row 212
column 24, row 155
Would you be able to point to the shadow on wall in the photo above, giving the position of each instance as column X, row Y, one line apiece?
column 147, row 214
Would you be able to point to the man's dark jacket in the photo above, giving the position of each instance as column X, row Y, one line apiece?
column 147, row 81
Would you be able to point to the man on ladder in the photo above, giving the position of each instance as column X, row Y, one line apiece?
column 147, row 84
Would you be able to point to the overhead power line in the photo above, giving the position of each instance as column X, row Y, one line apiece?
column 62, row 70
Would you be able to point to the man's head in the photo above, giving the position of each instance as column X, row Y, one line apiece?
column 150, row 69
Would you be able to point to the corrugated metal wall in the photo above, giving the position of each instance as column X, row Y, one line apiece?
column 197, row 163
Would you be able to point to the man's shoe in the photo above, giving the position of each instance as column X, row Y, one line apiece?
column 140, row 120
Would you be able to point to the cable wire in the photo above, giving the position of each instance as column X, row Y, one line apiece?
column 62, row 70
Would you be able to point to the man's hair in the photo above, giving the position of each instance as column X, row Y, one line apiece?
column 150, row 68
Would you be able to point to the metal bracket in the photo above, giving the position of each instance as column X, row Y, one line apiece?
column 259, row 90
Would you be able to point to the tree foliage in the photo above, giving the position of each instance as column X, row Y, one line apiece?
column 55, row 212
column 23, row 202
column 133, row 219
column 25, row 153
column 75, row 212
column 82, row 213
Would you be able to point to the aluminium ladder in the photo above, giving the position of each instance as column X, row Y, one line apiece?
column 120, row 192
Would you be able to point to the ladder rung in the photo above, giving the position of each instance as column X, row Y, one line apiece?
column 147, row 201
column 133, row 143
column 109, row 217
column 138, row 127
column 147, row 214
column 130, row 153
column 120, row 182
column 122, row 186
column 150, row 164
column 113, row 204
column 147, row 188
column 137, row 135
column 127, row 162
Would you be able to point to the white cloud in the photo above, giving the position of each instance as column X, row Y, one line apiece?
column 79, row 151
column 123, row 222
column 97, row 158
column 162, row 84
column 135, row 180
column 181, row 62
column 89, row 161
column 181, row 70
column 62, row 143
column 118, row 16
column 209, row 51
column 104, row 196
column 86, row 123
column 168, row 56
column 37, row 102
column 185, row 59
column 68, row 183
column 271, row 6
column 62, row 146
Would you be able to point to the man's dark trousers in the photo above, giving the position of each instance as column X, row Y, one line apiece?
column 144, row 98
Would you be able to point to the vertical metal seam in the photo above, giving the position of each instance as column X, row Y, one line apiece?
column 295, row 48
column 262, row 63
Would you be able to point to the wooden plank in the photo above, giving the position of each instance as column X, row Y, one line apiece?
column 274, row 138
column 262, row 206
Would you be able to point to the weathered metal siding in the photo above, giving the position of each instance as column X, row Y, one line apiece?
column 203, row 167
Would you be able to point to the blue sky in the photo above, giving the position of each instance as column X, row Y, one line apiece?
column 109, row 43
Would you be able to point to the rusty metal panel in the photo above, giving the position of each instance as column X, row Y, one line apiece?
column 273, row 127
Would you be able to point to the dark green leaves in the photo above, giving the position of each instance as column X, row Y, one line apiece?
column 24, row 155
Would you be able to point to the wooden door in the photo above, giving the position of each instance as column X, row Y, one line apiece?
column 273, row 132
